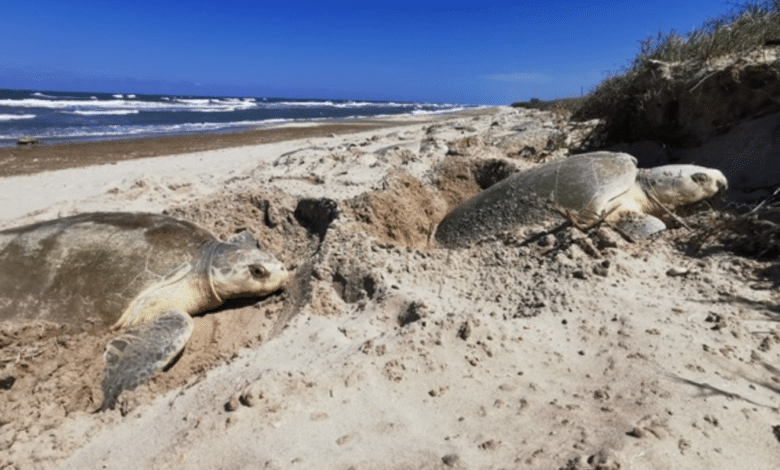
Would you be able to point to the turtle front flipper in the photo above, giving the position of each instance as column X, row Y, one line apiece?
column 140, row 352
column 640, row 225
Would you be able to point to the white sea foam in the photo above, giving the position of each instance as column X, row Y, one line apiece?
column 196, row 101
column 102, row 126
column 58, row 104
column 199, row 104
column 223, row 109
column 115, row 112
column 135, row 130
column 13, row 117
column 121, row 104
column 422, row 112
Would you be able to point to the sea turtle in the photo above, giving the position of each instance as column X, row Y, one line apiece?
column 143, row 273
column 590, row 187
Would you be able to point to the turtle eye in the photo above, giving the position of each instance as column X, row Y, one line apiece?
column 700, row 177
column 258, row 270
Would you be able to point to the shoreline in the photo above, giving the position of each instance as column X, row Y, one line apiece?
column 140, row 175
column 37, row 158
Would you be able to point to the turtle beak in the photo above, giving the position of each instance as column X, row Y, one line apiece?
column 279, row 277
column 717, row 177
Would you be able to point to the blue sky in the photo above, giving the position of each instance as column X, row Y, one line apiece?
column 458, row 52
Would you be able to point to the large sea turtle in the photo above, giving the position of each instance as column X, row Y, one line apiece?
column 589, row 186
column 142, row 273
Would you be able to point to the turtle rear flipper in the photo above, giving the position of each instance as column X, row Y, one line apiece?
column 140, row 352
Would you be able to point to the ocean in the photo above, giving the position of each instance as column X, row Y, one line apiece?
column 51, row 116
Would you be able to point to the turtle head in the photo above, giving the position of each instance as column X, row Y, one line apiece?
column 238, row 268
column 680, row 185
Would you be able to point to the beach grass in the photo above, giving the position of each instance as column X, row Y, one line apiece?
column 748, row 27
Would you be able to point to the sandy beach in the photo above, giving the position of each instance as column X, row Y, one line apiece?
column 29, row 159
column 49, row 177
column 578, row 350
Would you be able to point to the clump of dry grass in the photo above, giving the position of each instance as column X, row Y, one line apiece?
column 754, row 233
column 747, row 27
column 621, row 99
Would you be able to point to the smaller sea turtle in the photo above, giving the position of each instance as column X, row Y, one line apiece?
column 589, row 186
column 144, row 273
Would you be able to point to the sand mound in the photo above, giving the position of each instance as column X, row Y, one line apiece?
column 405, row 212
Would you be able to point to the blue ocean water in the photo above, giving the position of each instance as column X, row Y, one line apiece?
column 70, row 116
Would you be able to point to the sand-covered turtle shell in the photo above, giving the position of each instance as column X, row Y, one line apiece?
column 584, row 184
column 85, row 270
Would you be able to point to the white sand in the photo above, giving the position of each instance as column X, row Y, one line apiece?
column 121, row 185
column 540, row 356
